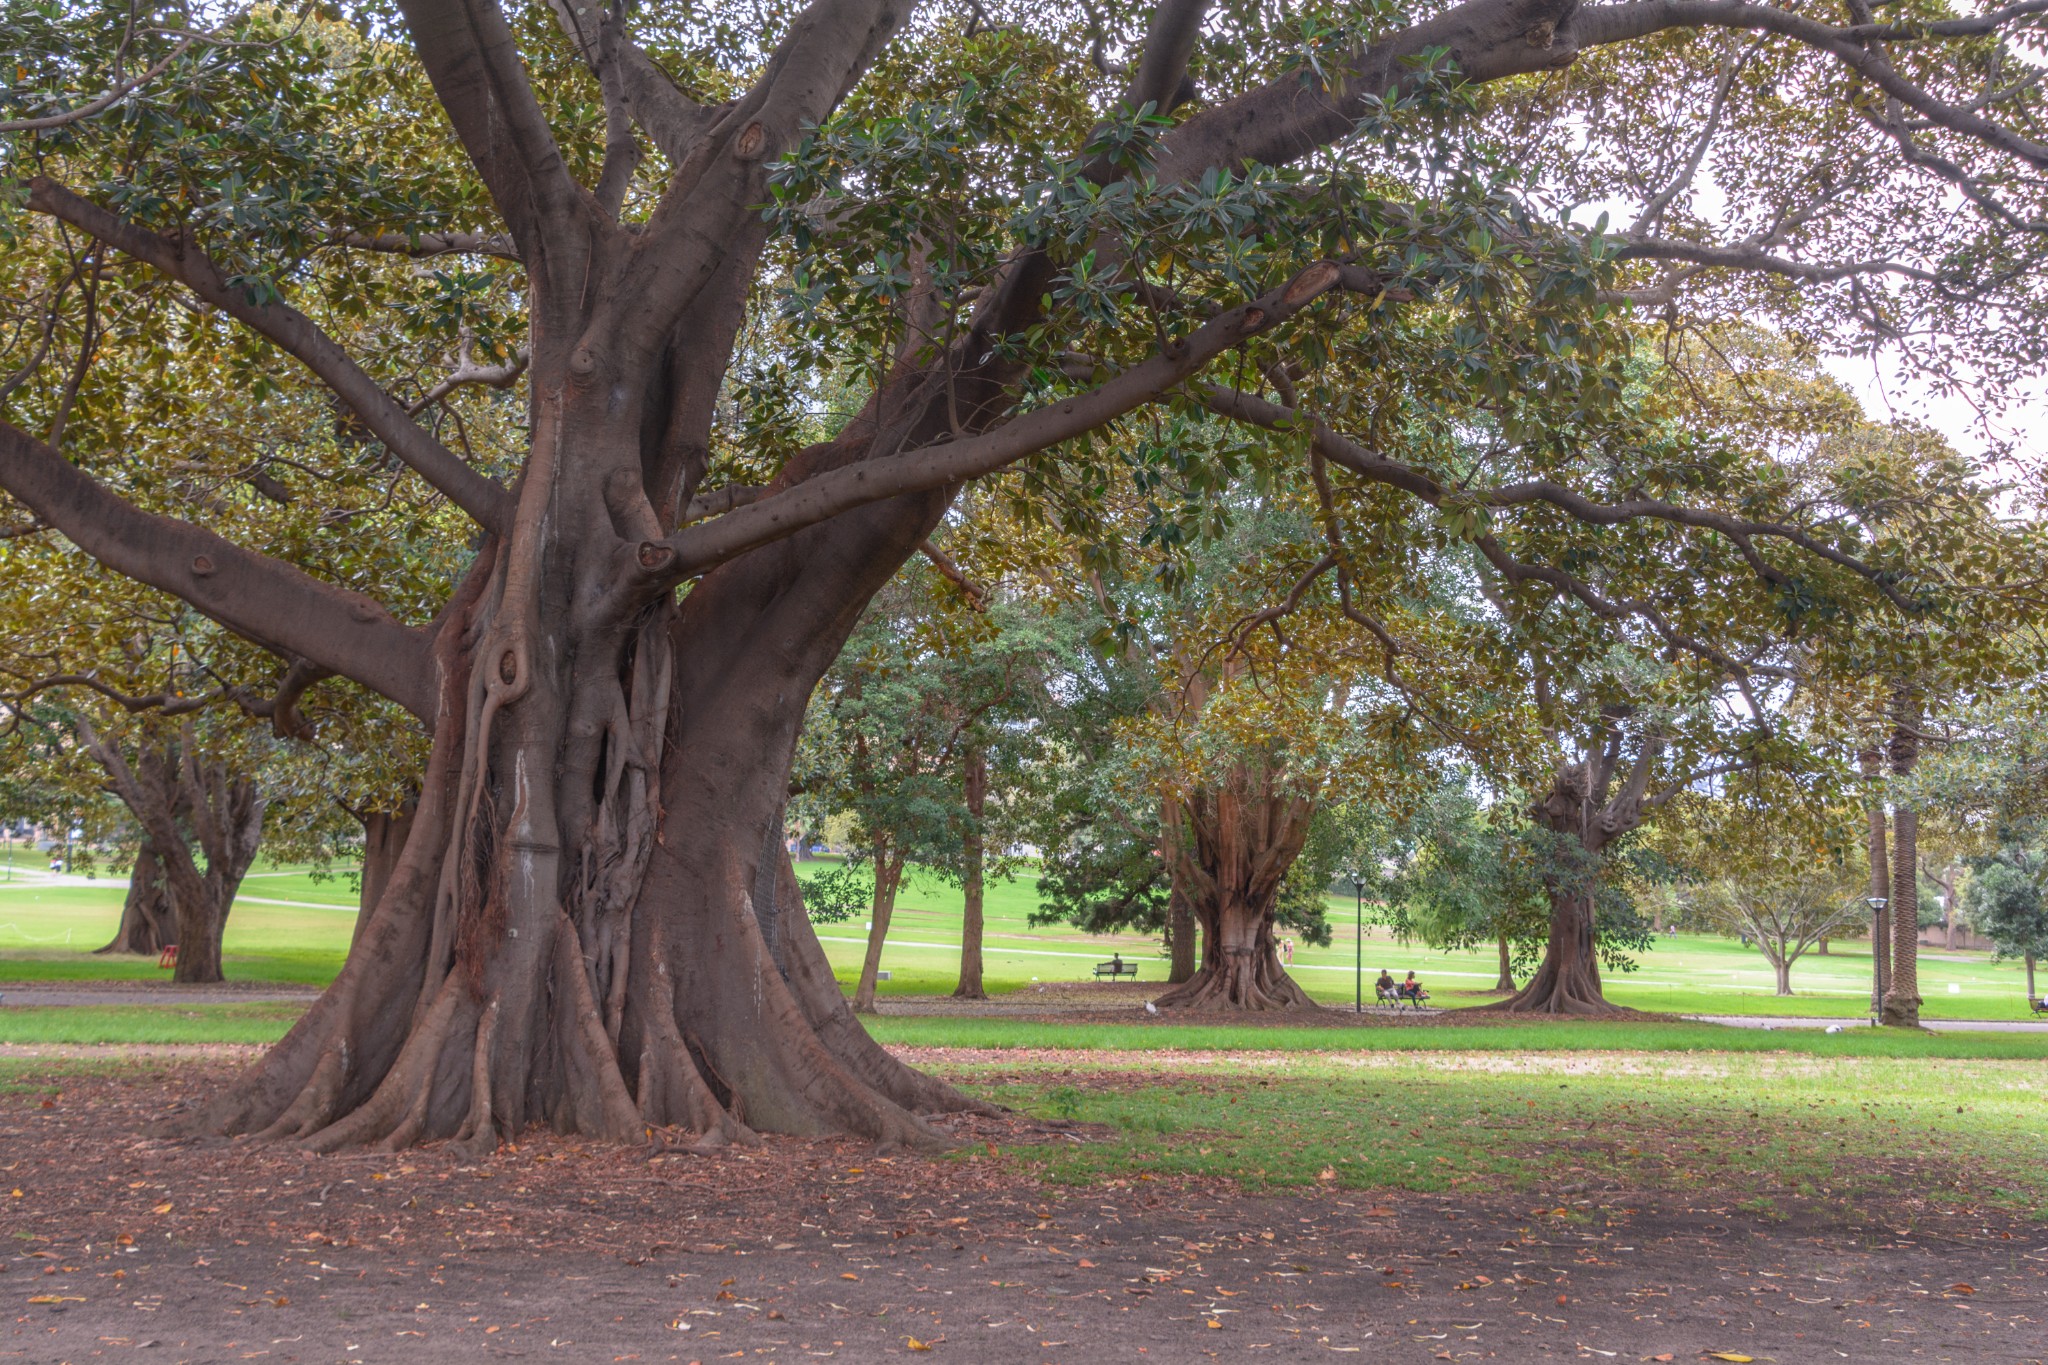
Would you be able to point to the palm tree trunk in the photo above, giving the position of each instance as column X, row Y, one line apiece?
column 1880, row 889
column 1902, row 994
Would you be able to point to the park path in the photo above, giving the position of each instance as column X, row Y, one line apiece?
column 76, row 993
column 1776, row 1021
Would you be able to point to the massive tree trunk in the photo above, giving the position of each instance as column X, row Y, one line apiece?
column 594, row 923
column 225, row 811
column 974, row 786
column 1244, row 834
column 147, row 924
column 888, row 878
column 1880, row 884
column 1902, row 991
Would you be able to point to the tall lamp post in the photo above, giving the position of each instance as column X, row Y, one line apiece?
column 1880, row 950
column 1358, row 944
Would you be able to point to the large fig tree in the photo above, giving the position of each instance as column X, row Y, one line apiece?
column 1002, row 228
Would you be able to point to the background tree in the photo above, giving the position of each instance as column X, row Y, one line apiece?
column 2003, row 902
column 1786, row 914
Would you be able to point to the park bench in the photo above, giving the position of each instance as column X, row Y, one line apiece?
column 1116, row 967
column 2038, row 1005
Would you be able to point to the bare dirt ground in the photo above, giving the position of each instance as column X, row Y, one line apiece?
column 122, row 1246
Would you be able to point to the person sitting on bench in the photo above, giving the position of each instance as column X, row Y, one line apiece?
column 1384, row 987
column 1411, row 989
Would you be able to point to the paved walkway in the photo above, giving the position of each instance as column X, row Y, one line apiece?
column 150, row 993
column 1773, row 1021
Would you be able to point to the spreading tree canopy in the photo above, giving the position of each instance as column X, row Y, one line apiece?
column 694, row 319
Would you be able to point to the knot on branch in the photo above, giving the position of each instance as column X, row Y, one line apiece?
column 1542, row 35
column 1311, row 282
column 202, row 566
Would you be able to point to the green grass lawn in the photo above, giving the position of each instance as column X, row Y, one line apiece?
column 1518, row 1036
column 286, row 927
column 1733, row 1130
column 289, row 927
column 145, row 1025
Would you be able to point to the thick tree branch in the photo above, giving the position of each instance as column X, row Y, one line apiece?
column 822, row 496
column 1601, row 24
column 672, row 121
column 297, row 335
column 427, row 244
column 468, row 372
column 1377, row 468
column 274, row 604
column 950, row 570
column 480, row 79
column 1161, row 78
column 115, row 93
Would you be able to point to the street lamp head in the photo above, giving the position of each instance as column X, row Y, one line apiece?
column 1877, row 902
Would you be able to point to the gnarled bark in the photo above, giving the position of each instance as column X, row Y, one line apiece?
column 1568, row 982
column 1880, row 889
column 1587, row 815
column 594, row 923
column 1902, row 991
column 1242, row 836
column 147, row 924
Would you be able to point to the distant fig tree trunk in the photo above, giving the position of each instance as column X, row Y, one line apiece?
column 974, row 794
column 1243, row 836
column 225, row 811
column 2032, row 994
column 1902, row 993
column 147, row 925
column 888, row 877
column 1586, row 814
column 1822, row 948
column 1783, row 969
column 1505, row 982
column 384, row 835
